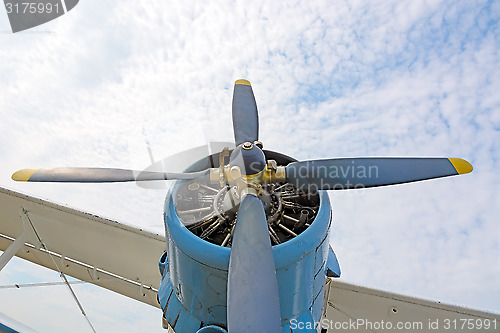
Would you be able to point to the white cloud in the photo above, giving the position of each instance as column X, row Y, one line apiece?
column 332, row 79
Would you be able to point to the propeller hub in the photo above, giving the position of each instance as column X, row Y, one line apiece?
column 249, row 159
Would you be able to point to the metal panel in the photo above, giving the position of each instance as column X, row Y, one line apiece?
column 90, row 248
column 352, row 308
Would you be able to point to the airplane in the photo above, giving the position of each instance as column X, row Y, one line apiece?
column 246, row 246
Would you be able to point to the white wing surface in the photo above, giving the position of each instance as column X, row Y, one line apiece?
column 350, row 308
column 90, row 248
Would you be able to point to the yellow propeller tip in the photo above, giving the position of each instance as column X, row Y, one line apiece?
column 244, row 82
column 23, row 175
column 462, row 166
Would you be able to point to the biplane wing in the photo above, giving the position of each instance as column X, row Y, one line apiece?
column 103, row 252
column 351, row 308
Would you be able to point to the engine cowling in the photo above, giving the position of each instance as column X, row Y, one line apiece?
column 195, row 270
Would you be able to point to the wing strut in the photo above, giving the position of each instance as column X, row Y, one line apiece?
column 16, row 245
column 19, row 243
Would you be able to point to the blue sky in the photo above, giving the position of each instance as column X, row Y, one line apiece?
column 331, row 78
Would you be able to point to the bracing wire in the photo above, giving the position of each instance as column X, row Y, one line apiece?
column 61, row 274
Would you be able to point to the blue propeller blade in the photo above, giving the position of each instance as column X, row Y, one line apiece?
column 245, row 117
column 349, row 173
column 97, row 175
column 252, row 292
